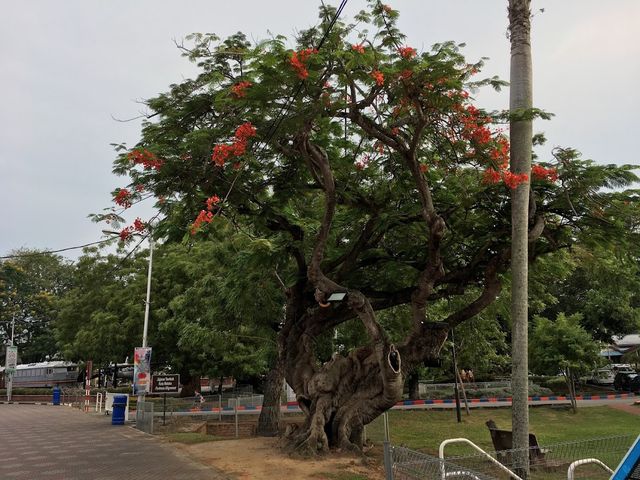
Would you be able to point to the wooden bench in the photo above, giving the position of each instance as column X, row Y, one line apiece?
column 503, row 444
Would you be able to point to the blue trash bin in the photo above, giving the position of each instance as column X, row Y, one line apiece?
column 56, row 396
column 119, row 407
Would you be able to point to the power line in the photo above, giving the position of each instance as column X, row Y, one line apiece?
column 48, row 252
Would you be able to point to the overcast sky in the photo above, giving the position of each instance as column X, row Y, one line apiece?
column 69, row 66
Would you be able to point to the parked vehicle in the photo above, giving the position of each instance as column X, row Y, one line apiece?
column 634, row 385
column 606, row 375
column 44, row 374
column 624, row 379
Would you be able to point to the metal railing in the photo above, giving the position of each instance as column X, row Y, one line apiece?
column 548, row 462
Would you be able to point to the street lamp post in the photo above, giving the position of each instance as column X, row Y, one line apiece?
column 10, row 374
column 145, row 328
column 147, row 305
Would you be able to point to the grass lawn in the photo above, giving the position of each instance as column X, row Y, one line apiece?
column 425, row 429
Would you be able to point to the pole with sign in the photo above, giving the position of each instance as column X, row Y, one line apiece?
column 11, row 361
column 165, row 384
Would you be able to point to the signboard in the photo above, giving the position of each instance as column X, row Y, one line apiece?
column 165, row 383
column 11, row 359
column 629, row 468
column 141, row 370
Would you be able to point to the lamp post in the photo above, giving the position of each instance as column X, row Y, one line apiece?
column 147, row 304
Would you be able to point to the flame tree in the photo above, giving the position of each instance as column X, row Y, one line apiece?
column 366, row 167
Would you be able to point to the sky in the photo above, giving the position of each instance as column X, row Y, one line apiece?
column 72, row 67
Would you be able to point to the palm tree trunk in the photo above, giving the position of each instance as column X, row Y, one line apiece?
column 521, row 132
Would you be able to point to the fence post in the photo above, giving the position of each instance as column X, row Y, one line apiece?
column 236, row 411
column 219, row 407
column 388, row 460
column 385, row 417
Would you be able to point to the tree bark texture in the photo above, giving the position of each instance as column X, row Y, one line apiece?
column 269, row 419
column 521, row 132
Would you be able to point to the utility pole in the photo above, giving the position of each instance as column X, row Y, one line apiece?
column 145, row 328
column 10, row 373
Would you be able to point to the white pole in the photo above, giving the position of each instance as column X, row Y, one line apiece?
column 145, row 328
column 10, row 375
column 148, row 302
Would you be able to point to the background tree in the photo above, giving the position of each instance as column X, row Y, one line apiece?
column 369, row 172
column 30, row 284
column 563, row 346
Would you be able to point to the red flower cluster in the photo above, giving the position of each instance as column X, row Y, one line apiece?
column 407, row 52
column 358, row 47
column 212, row 201
column 142, row 156
column 298, row 61
column 540, row 173
column 138, row 226
column 387, row 8
column 474, row 126
column 123, row 198
column 511, row 180
column 239, row 89
column 239, row 146
column 424, row 167
column 203, row 217
column 139, row 187
column 500, row 154
column 378, row 76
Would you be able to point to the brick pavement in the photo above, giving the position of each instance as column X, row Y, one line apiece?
column 60, row 443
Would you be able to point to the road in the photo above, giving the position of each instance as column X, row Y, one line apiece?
column 40, row 442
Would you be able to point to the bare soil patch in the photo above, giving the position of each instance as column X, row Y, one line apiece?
column 261, row 458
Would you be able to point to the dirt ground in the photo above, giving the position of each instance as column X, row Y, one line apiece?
column 260, row 458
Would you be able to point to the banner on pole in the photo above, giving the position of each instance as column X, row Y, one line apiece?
column 11, row 359
column 142, row 370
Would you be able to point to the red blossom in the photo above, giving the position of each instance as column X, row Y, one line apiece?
column 212, row 201
column 139, row 187
column 395, row 130
column 203, row 217
column 122, row 198
column 378, row 76
column 407, row 52
column 512, row 180
column 491, row 176
column 298, row 61
column 245, row 131
column 124, row 234
column 142, row 156
column 424, row 167
column 239, row 89
column 139, row 225
column 358, row 48
column 540, row 173
column 221, row 153
column 387, row 8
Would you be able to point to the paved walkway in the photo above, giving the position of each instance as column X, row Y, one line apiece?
column 60, row 443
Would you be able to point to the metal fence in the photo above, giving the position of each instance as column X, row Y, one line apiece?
column 549, row 462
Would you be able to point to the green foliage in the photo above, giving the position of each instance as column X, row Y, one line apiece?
column 29, row 287
column 561, row 345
